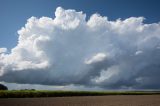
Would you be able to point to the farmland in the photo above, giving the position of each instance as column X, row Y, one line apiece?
column 78, row 98
column 45, row 93
column 110, row 100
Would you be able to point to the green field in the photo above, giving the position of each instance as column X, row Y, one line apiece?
column 45, row 93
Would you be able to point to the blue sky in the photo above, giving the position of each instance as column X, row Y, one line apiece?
column 111, row 44
column 14, row 13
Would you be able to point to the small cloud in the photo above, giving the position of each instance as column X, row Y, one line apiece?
column 3, row 50
column 138, row 52
column 96, row 58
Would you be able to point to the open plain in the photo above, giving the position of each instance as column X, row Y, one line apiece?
column 111, row 100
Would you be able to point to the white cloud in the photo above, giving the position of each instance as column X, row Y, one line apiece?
column 138, row 52
column 69, row 49
column 97, row 58
column 3, row 50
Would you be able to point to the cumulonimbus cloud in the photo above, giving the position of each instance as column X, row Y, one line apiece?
column 69, row 49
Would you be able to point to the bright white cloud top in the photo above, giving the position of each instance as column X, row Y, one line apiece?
column 69, row 49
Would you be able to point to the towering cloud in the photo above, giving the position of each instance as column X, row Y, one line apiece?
column 68, row 50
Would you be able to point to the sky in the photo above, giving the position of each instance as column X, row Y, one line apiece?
column 15, row 13
column 80, row 45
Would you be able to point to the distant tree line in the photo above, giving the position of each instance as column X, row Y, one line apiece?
column 2, row 87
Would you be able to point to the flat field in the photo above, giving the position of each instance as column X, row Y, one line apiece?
column 45, row 93
column 110, row 100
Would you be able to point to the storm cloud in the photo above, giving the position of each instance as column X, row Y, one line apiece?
column 70, row 50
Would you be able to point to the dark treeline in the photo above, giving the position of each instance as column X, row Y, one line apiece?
column 44, row 93
column 3, row 87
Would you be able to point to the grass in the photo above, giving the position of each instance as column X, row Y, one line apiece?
column 45, row 93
